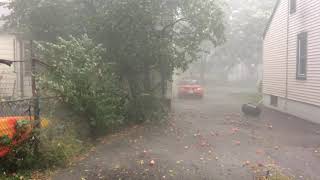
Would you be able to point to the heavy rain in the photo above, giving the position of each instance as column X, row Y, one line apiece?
column 159, row 89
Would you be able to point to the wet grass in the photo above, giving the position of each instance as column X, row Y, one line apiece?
column 273, row 173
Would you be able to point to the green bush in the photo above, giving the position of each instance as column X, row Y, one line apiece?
column 54, row 150
column 64, row 137
column 80, row 75
column 147, row 108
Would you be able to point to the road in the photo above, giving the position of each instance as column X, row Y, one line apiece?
column 206, row 139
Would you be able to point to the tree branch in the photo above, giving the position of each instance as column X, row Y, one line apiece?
column 8, row 62
column 41, row 63
column 173, row 23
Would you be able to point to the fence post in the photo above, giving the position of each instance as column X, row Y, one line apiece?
column 36, row 98
column 22, row 69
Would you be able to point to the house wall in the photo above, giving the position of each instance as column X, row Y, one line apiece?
column 303, row 110
column 274, row 53
column 297, row 97
column 23, row 70
column 305, row 19
column 7, row 74
column 15, row 81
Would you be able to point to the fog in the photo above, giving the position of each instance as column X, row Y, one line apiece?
column 159, row 89
column 240, row 57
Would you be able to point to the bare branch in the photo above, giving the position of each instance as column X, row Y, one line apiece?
column 173, row 23
column 41, row 62
column 8, row 62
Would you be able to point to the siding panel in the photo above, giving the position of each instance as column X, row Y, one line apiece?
column 7, row 75
column 306, row 19
column 274, row 53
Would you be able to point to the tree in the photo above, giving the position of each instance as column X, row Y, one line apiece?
column 144, row 39
column 246, row 21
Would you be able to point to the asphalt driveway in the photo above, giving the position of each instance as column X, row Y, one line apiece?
column 206, row 139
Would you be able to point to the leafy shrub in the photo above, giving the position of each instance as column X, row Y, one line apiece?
column 64, row 137
column 147, row 108
column 55, row 148
column 80, row 75
column 5, row 140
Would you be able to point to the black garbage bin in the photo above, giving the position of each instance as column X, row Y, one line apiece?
column 251, row 109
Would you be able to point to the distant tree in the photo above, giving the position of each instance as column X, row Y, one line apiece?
column 246, row 21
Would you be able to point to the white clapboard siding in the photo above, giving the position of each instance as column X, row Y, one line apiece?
column 274, row 53
column 7, row 74
column 305, row 19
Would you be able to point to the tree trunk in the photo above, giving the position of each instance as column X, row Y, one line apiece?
column 147, row 79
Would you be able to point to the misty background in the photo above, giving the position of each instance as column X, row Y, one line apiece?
column 240, row 57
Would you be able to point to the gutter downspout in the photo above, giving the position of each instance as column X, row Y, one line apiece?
column 287, row 59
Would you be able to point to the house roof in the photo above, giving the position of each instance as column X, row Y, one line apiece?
column 271, row 18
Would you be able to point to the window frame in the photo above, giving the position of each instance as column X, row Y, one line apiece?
column 293, row 6
column 302, row 38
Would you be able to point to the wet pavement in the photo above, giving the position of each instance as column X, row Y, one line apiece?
column 206, row 139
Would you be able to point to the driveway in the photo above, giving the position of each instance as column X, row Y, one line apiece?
column 206, row 139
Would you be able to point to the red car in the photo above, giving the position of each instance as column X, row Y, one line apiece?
column 190, row 88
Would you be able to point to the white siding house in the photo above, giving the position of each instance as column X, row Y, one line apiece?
column 291, row 57
column 7, row 74
column 15, row 80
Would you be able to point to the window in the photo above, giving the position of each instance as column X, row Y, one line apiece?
column 302, row 53
column 293, row 6
column 274, row 101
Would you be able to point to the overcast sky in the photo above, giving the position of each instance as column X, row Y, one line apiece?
column 3, row 11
